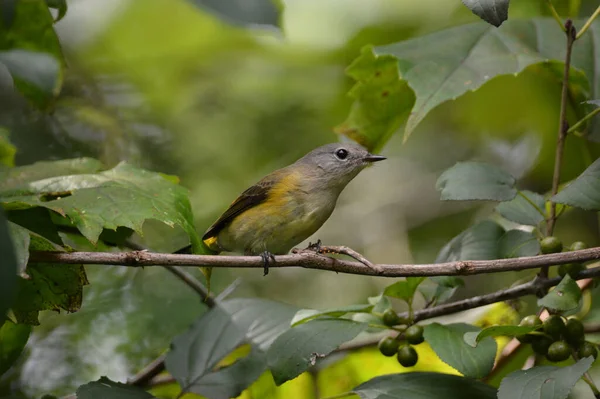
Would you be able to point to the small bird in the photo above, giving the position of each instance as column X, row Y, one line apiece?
column 288, row 205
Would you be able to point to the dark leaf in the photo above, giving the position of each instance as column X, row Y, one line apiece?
column 584, row 191
column 105, row 388
column 478, row 242
column 491, row 11
column 474, row 337
column 476, row 181
column 21, row 239
column 8, row 267
column 565, row 296
column 13, row 338
column 522, row 211
column 60, row 6
column 518, row 243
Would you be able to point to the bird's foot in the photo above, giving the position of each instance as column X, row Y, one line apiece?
column 267, row 257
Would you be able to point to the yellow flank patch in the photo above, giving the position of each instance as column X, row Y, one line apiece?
column 211, row 242
column 280, row 192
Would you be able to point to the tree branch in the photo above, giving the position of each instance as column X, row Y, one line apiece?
column 316, row 261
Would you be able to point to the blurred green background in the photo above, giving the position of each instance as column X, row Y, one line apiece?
column 221, row 98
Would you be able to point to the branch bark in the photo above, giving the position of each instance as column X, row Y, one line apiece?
column 316, row 261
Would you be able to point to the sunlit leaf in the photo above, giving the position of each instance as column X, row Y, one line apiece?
column 565, row 296
column 524, row 211
column 584, row 191
column 491, row 11
column 517, row 243
column 476, row 181
column 548, row 382
column 13, row 338
column 448, row 343
column 423, row 385
column 105, row 388
column 301, row 347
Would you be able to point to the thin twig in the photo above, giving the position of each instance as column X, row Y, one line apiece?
column 588, row 23
column 144, row 376
column 315, row 261
column 563, row 127
column 576, row 126
column 555, row 14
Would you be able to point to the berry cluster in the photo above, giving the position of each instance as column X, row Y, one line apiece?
column 413, row 335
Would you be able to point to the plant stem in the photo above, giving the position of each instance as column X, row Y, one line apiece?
column 563, row 127
column 576, row 126
column 588, row 23
column 555, row 15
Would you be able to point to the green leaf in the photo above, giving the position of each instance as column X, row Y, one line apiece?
column 522, row 211
column 548, row 382
column 261, row 320
column 105, row 388
column 565, row 296
column 517, row 243
column 448, row 343
column 381, row 101
column 124, row 196
column 39, row 221
column 405, row 289
column 242, row 12
column 13, row 338
column 60, row 5
column 478, row 242
column 442, row 290
column 424, row 385
column 7, row 150
column 301, row 347
column 380, row 303
column 8, row 267
column 476, row 181
column 305, row 315
column 474, row 337
column 491, row 11
column 21, row 239
column 196, row 352
column 30, row 50
column 584, row 191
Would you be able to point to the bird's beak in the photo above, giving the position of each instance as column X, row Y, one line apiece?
column 373, row 158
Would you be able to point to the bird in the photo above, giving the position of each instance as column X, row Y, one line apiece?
column 288, row 205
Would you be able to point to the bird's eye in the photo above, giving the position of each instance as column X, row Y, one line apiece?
column 341, row 153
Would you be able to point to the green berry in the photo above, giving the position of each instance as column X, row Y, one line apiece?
column 529, row 321
column 572, row 269
column 551, row 245
column 554, row 326
column 578, row 246
column 414, row 334
column 541, row 344
column 407, row 356
column 587, row 349
column 574, row 334
column 390, row 318
column 388, row 346
column 558, row 351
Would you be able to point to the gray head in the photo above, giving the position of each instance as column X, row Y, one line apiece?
column 337, row 164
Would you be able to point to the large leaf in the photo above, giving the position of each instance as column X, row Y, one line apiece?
column 124, row 196
column 301, row 347
column 545, row 382
column 478, row 242
column 565, row 296
column 105, row 388
column 518, row 243
column 424, row 385
column 476, row 181
column 30, row 51
column 491, row 11
column 261, row 320
column 447, row 64
column 13, row 338
column 448, row 343
column 583, row 192
column 8, row 267
column 196, row 352
column 528, row 211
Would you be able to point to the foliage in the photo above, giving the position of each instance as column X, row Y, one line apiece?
column 242, row 346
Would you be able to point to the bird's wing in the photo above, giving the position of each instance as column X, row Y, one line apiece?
column 253, row 196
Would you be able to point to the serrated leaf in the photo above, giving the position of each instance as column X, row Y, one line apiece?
column 305, row 315
column 565, row 296
column 105, row 388
column 547, row 382
column 13, row 338
column 478, row 242
column 424, row 385
column 491, row 11
column 124, row 196
column 196, row 352
column 261, row 320
column 405, row 289
column 518, row 243
column 8, row 267
column 476, row 181
column 448, row 343
column 522, row 211
column 584, row 191
column 474, row 337
column 301, row 347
